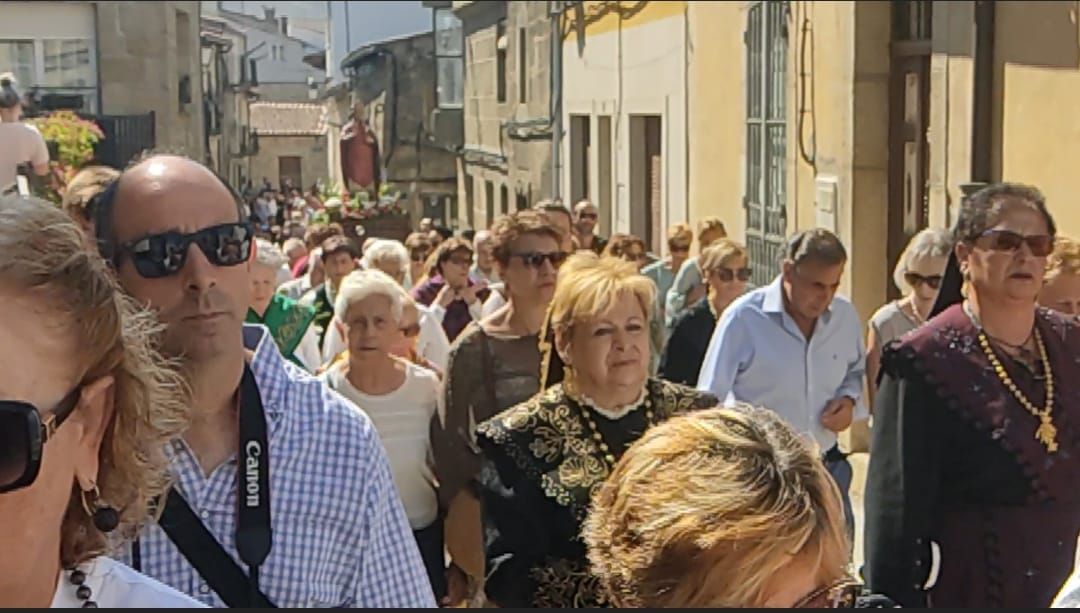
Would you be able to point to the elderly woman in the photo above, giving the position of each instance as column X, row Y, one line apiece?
column 726, row 267
column 918, row 274
column 722, row 508
column 87, row 409
column 494, row 365
column 1061, row 285
column 689, row 284
column 546, row 457
column 971, row 497
column 399, row 397
column 429, row 343
column 289, row 321
column 454, row 298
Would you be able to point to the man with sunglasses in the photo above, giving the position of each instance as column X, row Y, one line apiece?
column 283, row 494
column 796, row 347
column 586, row 217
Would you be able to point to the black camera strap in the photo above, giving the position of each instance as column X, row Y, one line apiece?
column 253, row 534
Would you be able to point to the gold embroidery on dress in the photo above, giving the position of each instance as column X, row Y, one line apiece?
column 565, row 584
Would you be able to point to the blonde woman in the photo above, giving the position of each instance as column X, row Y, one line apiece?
column 87, row 408
column 727, row 269
column 1061, row 285
column 918, row 274
column 689, row 285
column 544, row 458
column 78, row 198
column 721, row 508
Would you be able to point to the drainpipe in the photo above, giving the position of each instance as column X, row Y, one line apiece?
column 982, row 129
column 555, row 14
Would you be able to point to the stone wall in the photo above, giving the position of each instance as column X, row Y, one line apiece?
column 146, row 51
column 310, row 149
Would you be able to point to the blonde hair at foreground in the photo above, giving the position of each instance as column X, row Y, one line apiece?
column 42, row 253
column 588, row 285
column 1065, row 258
column 705, row 508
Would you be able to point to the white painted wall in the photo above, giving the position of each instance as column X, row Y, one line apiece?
column 46, row 20
column 650, row 79
column 289, row 68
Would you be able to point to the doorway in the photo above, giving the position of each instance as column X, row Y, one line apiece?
column 646, row 179
column 289, row 170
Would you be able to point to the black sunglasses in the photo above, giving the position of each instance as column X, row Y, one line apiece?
column 535, row 259
column 914, row 279
column 23, row 435
column 726, row 274
column 161, row 255
column 1041, row 245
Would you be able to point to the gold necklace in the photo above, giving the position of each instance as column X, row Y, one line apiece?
column 1046, row 433
column 598, row 438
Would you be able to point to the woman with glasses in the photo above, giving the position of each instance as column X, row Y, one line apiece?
column 544, row 458
column 1061, row 285
column 917, row 274
column 721, row 508
column 86, row 409
column 726, row 267
column 399, row 397
column 662, row 272
column 971, row 495
column 627, row 247
column 494, row 365
column 419, row 247
column 454, row 298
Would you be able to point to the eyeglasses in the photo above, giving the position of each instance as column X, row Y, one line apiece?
column 535, row 259
column 914, row 279
column 23, row 435
column 727, row 275
column 679, row 248
column 1041, row 245
column 592, row 216
column 161, row 255
column 841, row 594
column 460, row 261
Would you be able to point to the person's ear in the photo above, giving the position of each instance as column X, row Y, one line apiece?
column 92, row 417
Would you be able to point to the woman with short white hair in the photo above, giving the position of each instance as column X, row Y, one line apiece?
column 400, row 398
column 918, row 275
column 432, row 346
column 289, row 321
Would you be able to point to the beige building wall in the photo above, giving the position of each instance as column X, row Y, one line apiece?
column 717, row 121
column 624, row 63
column 145, row 49
column 310, row 149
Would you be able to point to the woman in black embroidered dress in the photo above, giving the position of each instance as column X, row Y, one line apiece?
column 972, row 496
column 545, row 457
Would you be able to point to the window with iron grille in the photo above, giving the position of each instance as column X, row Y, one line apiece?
column 765, row 201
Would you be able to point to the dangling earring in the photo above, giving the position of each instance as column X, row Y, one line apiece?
column 105, row 518
column 569, row 381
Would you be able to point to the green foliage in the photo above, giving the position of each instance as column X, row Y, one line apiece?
column 72, row 140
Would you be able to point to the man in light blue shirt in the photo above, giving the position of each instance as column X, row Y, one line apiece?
column 796, row 347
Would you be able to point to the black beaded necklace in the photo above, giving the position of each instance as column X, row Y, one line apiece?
column 82, row 590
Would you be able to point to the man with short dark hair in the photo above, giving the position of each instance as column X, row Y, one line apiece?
column 586, row 216
column 283, row 492
column 796, row 347
column 339, row 258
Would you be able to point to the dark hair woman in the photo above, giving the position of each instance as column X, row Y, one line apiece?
column 971, row 497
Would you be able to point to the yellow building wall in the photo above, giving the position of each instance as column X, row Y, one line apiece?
column 717, row 122
column 1037, row 73
column 601, row 16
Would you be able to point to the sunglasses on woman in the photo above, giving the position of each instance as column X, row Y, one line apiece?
column 1041, row 245
column 727, row 275
column 841, row 594
column 23, row 435
column 914, row 279
column 162, row 255
column 536, row 259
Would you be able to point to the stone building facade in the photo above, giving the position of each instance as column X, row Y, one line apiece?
column 290, row 143
column 506, row 160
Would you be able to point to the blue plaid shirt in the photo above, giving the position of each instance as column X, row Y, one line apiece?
column 340, row 535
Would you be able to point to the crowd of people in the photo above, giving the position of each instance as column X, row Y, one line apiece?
column 235, row 402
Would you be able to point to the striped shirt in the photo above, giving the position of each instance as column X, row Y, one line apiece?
column 340, row 535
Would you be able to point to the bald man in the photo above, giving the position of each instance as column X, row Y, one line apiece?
column 285, row 476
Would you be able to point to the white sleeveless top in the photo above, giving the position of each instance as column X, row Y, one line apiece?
column 113, row 585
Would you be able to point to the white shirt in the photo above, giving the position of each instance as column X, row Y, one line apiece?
column 494, row 302
column 431, row 342
column 402, row 418
column 113, row 585
column 19, row 143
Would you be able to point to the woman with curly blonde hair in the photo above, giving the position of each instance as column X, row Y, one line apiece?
column 86, row 408
column 1061, row 284
column 725, row 507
